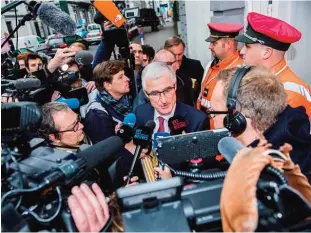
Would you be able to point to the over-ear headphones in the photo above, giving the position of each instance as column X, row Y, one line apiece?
column 235, row 122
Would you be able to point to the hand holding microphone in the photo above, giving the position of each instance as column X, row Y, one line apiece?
column 62, row 57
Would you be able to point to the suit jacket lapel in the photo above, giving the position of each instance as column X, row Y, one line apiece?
column 179, row 110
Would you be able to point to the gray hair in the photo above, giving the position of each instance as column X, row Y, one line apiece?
column 156, row 70
column 48, row 125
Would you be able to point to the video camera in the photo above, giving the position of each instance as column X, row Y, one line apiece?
column 37, row 177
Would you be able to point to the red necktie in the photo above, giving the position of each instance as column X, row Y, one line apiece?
column 161, row 124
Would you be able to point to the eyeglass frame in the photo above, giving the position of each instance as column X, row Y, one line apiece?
column 161, row 92
column 73, row 128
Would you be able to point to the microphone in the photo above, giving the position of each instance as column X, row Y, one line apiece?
column 73, row 103
column 108, row 9
column 22, row 83
column 86, row 160
column 142, row 139
column 53, row 17
column 83, row 57
column 27, row 83
column 126, row 131
column 177, row 125
column 228, row 147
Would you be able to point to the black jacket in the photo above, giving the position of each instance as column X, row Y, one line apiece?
column 189, row 69
column 293, row 127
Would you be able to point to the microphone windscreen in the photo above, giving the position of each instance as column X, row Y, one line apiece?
column 150, row 124
column 27, row 83
column 228, row 147
column 130, row 120
column 83, row 57
column 73, row 103
column 53, row 17
column 177, row 124
column 101, row 152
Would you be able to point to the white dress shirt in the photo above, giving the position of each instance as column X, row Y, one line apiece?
column 166, row 118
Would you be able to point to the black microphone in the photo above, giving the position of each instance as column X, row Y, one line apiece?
column 22, row 83
column 177, row 125
column 83, row 57
column 53, row 17
column 86, row 160
column 142, row 139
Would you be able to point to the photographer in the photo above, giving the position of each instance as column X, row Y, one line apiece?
column 33, row 63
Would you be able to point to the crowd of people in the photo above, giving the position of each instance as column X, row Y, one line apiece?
column 252, row 92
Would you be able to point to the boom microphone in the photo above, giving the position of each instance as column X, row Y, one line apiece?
column 88, row 159
column 83, row 57
column 53, row 17
column 108, row 9
column 177, row 125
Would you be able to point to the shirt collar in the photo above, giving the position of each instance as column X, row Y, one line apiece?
column 166, row 117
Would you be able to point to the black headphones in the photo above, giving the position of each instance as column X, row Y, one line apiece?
column 235, row 122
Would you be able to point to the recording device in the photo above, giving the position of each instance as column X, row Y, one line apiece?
column 142, row 139
column 126, row 131
column 81, row 58
column 190, row 146
column 20, row 84
column 177, row 125
column 53, row 17
column 159, row 135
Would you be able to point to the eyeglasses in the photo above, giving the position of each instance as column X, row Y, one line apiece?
column 156, row 95
column 75, row 127
column 211, row 113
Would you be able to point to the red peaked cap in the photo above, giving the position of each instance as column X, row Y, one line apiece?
column 273, row 28
column 223, row 30
column 269, row 31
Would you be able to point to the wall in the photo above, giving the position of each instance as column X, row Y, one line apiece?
column 198, row 15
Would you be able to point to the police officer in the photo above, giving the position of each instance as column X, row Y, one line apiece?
column 266, row 41
column 224, row 49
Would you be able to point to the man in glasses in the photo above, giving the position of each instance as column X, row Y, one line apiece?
column 169, row 58
column 189, row 70
column 159, row 85
column 224, row 50
column 61, row 126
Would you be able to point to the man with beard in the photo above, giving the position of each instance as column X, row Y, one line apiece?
column 224, row 49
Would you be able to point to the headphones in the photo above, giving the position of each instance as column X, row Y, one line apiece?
column 235, row 122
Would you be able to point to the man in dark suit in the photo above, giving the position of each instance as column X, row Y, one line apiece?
column 190, row 70
column 159, row 85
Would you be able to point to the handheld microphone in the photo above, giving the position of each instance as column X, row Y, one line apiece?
column 177, row 125
column 73, row 103
column 126, row 132
column 53, row 17
column 142, row 139
column 108, row 9
column 87, row 159
column 83, row 57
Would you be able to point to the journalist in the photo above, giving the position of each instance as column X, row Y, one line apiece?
column 260, row 111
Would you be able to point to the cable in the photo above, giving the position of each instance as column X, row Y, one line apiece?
column 46, row 220
column 200, row 176
column 275, row 172
column 21, row 179
column 20, row 191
